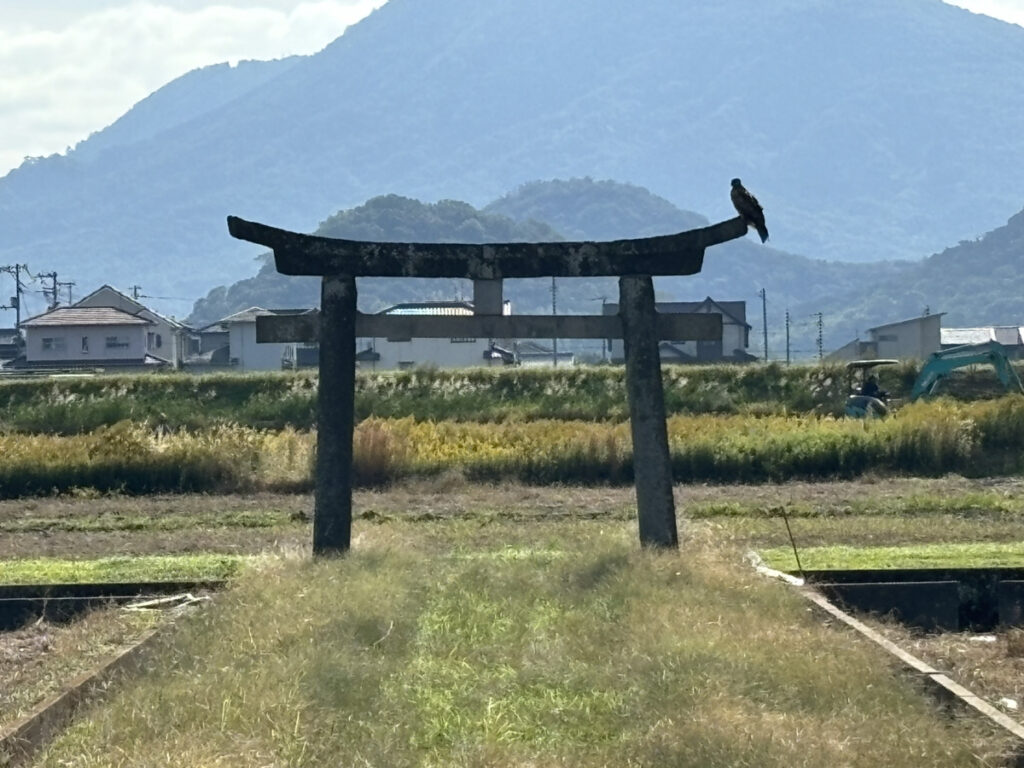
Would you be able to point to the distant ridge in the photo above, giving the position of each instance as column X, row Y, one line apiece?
column 869, row 130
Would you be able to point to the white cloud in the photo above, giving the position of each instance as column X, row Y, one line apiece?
column 65, row 73
column 1007, row 10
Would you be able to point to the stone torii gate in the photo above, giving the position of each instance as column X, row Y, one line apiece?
column 337, row 325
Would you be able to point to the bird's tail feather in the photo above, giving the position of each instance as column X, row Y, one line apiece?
column 763, row 232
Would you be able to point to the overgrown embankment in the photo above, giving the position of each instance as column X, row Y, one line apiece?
column 276, row 400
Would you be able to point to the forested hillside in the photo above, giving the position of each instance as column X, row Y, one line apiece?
column 975, row 283
column 869, row 129
column 389, row 218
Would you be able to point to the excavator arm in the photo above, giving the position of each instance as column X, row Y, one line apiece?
column 941, row 364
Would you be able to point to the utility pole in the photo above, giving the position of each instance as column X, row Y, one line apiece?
column 68, row 284
column 554, row 311
column 764, row 319
column 16, row 298
column 787, row 337
column 821, row 338
column 605, row 343
column 136, row 290
column 51, row 292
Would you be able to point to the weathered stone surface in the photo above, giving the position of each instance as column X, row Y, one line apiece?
column 298, row 254
column 652, row 465
column 332, row 517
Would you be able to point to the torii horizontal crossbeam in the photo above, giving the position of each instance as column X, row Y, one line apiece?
column 298, row 254
column 306, row 327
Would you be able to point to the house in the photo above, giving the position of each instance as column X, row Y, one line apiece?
column 913, row 339
column 88, row 337
column 166, row 338
column 11, row 344
column 243, row 352
column 731, row 348
column 1010, row 336
column 408, row 352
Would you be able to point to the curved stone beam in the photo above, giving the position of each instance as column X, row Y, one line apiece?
column 298, row 254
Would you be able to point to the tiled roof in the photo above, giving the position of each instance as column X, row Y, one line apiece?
column 431, row 308
column 142, row 308
column 78, row 316
column 249, row 315
column 736, row 311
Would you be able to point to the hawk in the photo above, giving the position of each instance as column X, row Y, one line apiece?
column 748, row 208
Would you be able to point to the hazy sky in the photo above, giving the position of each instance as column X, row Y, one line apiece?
column 69, row 68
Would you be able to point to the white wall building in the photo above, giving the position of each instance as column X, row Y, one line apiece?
column 244, row 354
column 913, row 339
column 1010, row 336
column 384, row 354
column 165, row 338
column 87, row 337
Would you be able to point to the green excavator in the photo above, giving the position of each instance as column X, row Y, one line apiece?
column 867, row 401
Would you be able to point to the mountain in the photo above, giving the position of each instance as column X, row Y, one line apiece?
column 387, row 218
column 583, row 209
column 870, row 130
column 975, row 283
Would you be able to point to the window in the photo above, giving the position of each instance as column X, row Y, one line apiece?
column 159, row 341
column 463, row 341
column 117, row 342
column 405, row 365
column 54, row 344
column 85, row 345
column 888, row 337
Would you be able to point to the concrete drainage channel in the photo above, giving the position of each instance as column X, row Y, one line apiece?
column 951, row 599
column 20, row 604
column 948, row 600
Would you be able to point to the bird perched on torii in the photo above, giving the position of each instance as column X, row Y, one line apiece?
column 748, row 208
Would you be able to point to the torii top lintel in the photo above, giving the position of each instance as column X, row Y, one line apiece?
column 298, row 254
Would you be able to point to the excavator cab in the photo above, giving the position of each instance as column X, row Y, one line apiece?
column 866, row 400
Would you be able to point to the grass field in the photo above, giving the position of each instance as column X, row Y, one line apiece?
column 456, row 644
column 519, row 625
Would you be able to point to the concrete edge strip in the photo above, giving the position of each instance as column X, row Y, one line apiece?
column 945, row 685
column 23, row 738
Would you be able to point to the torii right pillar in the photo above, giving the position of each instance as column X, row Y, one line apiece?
column 652, row 462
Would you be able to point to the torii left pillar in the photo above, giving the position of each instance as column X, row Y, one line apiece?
column 332, row 516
